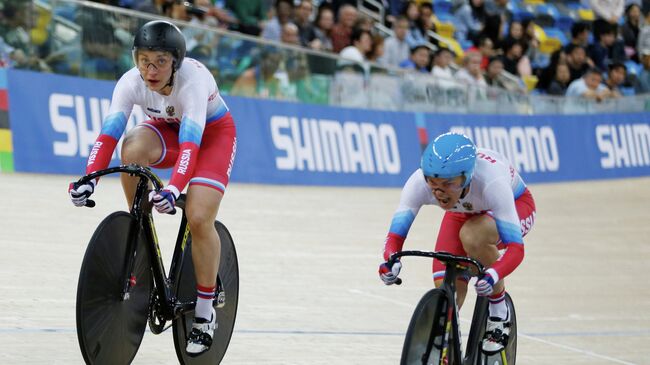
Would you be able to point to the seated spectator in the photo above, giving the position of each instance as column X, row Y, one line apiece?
column 643, row 84
column 396, row 49
column 414, row 35
column 607, row 12
column 560, row 83
column 589, row 86
column 486, row 48
column 302, row 20
column 471, row 20
column 419, row 59
column 606, row 48
column 580, row 32
column 323, row 28
column 493, row 73
column 443, row 74
column 260, row 80
column 290, row 34
column 342, row 31
column 377, row 50
column 547, row 75
column 630, row 30
column 576, row 58
column 361, row 45
column 615, row 78
column 250, row 15
column 283, row 15
column 514, row 61
column 425, row 23
column 471, row 73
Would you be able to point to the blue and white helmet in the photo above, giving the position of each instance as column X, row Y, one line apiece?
column 449, row 155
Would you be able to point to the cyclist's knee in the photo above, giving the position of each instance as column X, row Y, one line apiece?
column 140, row 147
column 478, row 235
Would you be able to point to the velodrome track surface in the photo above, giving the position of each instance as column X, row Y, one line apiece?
column 309, row 291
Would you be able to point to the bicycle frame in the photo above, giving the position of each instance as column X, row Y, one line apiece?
column 452, row 271
column 170, row 308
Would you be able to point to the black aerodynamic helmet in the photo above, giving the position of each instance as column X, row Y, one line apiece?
column 160, row 35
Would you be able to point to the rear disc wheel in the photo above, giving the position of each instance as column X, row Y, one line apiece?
column 185, row 287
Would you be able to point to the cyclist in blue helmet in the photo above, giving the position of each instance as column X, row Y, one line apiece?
column 488, row 208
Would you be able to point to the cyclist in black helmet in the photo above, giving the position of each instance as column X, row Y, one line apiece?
column 186, row 116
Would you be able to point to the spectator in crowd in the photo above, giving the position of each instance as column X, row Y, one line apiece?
column 606, row 48
column 290, row 34
column 323, row 27
column 486, row 48
column 615, row 78
column 425, row 23
column 283, row 15
column 630, row 30
column 361, row 45
column 515, row 32
column 560, row 82
column 471, row 20
column 250, row 15
column 513, row 59
column 441, row 71
column 342, row 31
column 576, row 58
column 608, row 13
column 304, row 23
column 364, row 22
column 260, row 80
column 375, row 55
column 643, row 80
column 547, row 75
column 531, row 43
column 471, row 73
column 414, row 35
column 589, row 86
column 580, row 32
column 493, row 73
column 419, row 59
column 197, row 14
column 396, row 47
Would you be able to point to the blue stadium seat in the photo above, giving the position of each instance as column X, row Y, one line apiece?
column 442, row 7
column 519, row 13
column 564, row 23
column 546, row 15
column 552, row 32
column 633, row 68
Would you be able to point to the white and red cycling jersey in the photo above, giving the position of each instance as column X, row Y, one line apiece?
column 194, row 102
column 496, row 189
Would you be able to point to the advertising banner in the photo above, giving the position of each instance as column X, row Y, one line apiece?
column 55, row 120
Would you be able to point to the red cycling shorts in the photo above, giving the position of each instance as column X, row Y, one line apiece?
column 216, row 153
column 448, row 236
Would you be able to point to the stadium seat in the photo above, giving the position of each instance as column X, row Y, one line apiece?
column 564, row 23
column 444, row 28
column 546, row 15
column 586, row 14
column 530, row 82
column 534, row 2
column 633, row 68
column 555, row 39
column 442, row 7
column 519, row 13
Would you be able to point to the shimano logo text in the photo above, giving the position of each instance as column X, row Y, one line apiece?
column 331, row 146
column 624, row 145
column 529, row 149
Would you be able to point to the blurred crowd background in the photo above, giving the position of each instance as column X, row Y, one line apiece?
column 320, row 50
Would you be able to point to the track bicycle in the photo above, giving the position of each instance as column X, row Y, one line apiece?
column 123, row 285
column 433, row 336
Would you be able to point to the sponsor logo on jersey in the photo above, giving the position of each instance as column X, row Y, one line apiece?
column 153, row 110
column 185, row 161
column 623, row 145
column 331, row 146
column 468, row 206
column 170, row 110
column 232, row 156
